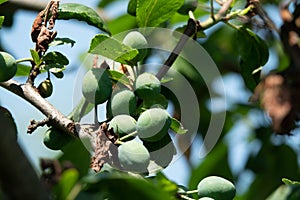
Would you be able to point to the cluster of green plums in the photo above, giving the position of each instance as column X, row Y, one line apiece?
column 137, row 110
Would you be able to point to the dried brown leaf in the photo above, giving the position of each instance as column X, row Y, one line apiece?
column 37, row 26
column 105, row 151
column 54, row 14
column 44, row 38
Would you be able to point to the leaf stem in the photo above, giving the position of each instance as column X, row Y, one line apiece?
column 182, row 196
column 191, row 192
column 133, row 134
column 24, row 60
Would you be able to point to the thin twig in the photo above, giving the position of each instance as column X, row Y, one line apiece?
column 212, row 14
column 35, row 124
column 190, row 30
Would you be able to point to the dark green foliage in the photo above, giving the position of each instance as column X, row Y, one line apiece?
column 8, row 66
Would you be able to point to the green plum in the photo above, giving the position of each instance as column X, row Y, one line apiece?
column 121, row 102
column 147, row 86
column 45, row 88
column 137, row 41
column 133, row 156
column 123, row 125
column 96, row 86
column 217, row 188
column 55, row 139
column 153, row 124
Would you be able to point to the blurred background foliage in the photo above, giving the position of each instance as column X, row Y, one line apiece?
column 248, row 153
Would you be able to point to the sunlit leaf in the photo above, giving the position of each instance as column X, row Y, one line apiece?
column 177, row 127
column 1, row 21
column 82, row 13
column 2, row 1
column 67, row 181
column 118, row 77
column 152, row 13
column 35, row 56
column 23, row 70
column 289, row 182
column 113, row 49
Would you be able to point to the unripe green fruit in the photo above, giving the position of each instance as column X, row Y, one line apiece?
column 217, row 188
column 121, row 102
column 45, row 88
column 55, row 139
column 206, row 198
column 96, row 86
column 123, row 125
column 147, row 86
column 137, row 41
column 8, row 66
column 133, row 156
column 153, row 124
column 188, row 5
column 158, row 101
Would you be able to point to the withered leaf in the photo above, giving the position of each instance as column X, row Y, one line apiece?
column 37, row 26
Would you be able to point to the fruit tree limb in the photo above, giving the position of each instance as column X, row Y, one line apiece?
column 30, row 94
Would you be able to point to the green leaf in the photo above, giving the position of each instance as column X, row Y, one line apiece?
column 55, row 57
column 62, row 41
column 118, row 77
column 82, row 109
column 67, row 181
column 3, row 1
column 152, row 13
column 104, row 3
column 8, row 125
column 131, row 8
column 113, row 49
column 122, row 23
column 58, row 74
column 161, row 181
column 289, row 182
column 254, row 54
column 82, row 13
column 35, row 56
column 177, row 127
column 1, row 21
column 23, row 70
column 76, row 153
column 126, row 187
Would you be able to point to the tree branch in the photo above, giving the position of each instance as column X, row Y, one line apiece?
column 190, row 30
column 30, row 94
column 24, row 4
